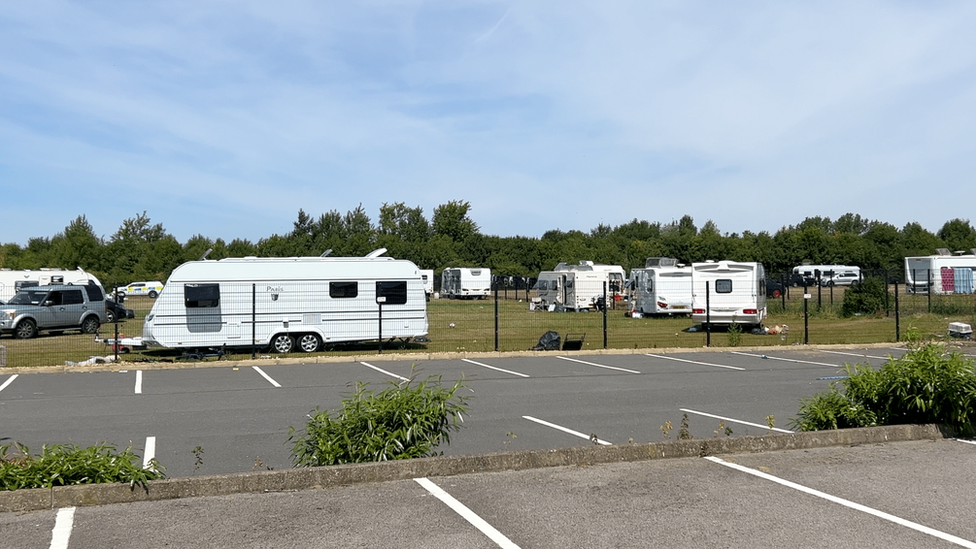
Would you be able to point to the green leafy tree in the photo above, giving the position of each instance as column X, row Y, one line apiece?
column 452, row 220
column 958, row 234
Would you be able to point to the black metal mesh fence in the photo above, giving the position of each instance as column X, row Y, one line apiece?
column 305, row 320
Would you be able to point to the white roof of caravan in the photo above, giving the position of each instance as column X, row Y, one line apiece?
column 724, row 266
column 294, row 268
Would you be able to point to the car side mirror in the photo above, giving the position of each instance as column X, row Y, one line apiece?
column 48, row 303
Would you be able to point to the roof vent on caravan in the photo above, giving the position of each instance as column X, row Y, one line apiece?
column 376, row 253
column 205, row 254
column 326, row 253
column 943, row 251
column 660, row 262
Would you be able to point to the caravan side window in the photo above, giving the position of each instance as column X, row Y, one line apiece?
column 201, row 295
column 723, row 286
column 395, row 292
column 343, row 289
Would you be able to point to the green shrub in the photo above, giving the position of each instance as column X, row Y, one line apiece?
column 926, row 385
column 68, row 464
column 868, row 297
column 404, row 420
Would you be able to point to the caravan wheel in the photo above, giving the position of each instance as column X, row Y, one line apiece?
column 309, row 343
column 282, row 343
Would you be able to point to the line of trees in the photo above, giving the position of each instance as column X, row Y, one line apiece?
column 141, row 250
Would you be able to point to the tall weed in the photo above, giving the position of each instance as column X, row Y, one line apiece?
column 69, row 464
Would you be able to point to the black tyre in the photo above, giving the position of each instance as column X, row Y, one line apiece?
column 90, row 325
column 110, row 316
column 309, row 343
column 153, row 294
column 25, row 329
column 282, row 343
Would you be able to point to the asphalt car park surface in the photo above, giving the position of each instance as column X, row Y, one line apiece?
column 233, row 419
column 893, row 495
column 909, row 494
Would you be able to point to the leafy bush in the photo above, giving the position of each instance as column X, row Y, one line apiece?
column 868, row 297
column 69, row 464
column 925, row 385
column 405, row 420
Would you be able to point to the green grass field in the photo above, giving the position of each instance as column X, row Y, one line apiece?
column 469, row 326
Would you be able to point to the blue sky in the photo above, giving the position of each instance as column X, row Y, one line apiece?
column 224, row 118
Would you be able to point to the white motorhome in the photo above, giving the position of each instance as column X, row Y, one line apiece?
column 736, row 292
column 943, row 273
column 12, row 281
column 661, row 287
column 288, row 303
column 613, row 274
column 465, row 283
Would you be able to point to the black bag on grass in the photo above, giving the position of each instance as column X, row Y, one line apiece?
column 550, row 341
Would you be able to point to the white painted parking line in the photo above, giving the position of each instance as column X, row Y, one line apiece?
column 694, row 362
column 494, row 368
column 856, row 354
column 8, row 382
column 570, row 431
column 765, row 357
column 847, row 503
column 62, row 528
column 467, row 514
column 598, row 365
column 382, row 371
column 150, row 452
column 735, row 420
column 138, row 382
column 266, row 376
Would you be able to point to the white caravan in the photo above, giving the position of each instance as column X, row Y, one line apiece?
column 12, row 281
column 661, row 287
column 465, row 283
column 943, row 273
column 287, row 303
column 428, row 276
column 578, row 287
column 736, row 292
column 569, row 290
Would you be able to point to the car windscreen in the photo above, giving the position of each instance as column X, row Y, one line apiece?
column 28, row 298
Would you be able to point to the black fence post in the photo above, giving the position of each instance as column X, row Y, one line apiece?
column 806, row 317
column 496, row 314
column 818, row 282
column 379, row 304
column 605, row 339
column 708, row 317
column 897, row 316
column 887, row 295
column 786, row 290
column 928, row 284
column 115, row 298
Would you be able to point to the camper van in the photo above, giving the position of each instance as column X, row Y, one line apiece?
column 288, row 303
column 736, row 292
column 578, row 287
column 661, row 287
column 943, row 273
column 465, row 283
column 12, row 281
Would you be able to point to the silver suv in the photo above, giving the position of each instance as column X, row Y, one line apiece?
column 53, row 308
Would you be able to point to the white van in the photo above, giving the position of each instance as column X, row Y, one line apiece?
column 465, row 283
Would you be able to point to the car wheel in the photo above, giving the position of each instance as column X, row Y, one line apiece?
column 776, row 293
column 90, row 325
column 309, row 343
column 26, row 329
column 110, row 316
column 153, row 294
column 282, row 343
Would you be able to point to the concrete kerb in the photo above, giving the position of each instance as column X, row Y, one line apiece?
column 341, row 475
column 418, row 357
